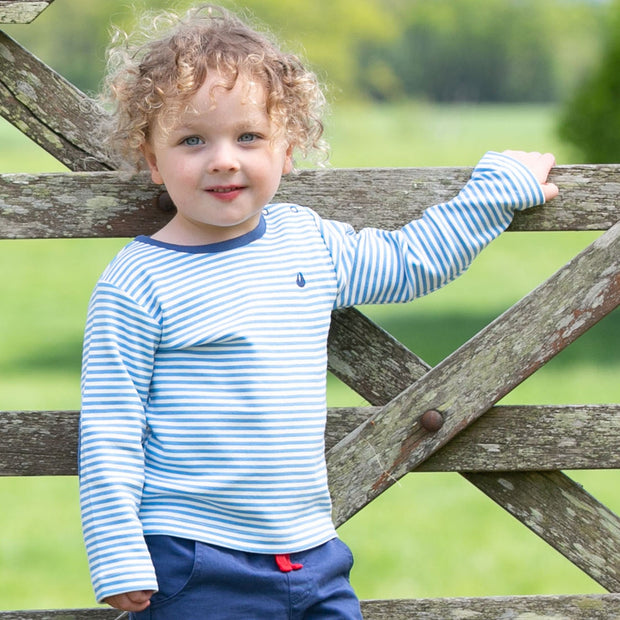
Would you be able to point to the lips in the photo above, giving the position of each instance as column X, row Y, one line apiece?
column 225, row 192
column 224, row 189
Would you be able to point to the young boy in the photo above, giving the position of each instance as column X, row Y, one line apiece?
column 202, row 473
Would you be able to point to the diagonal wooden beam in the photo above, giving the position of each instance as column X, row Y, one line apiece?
column 580, row 527
column 368, row 359
column 48, row 109
column 21, row 11
column 393, row 442
column 519, row 438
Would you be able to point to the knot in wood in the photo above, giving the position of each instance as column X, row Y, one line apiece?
column 431, row 420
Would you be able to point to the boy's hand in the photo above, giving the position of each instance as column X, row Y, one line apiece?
column 130, row 601
column 540, row 165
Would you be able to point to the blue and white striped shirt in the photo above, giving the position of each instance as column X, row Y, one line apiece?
column 204, row 371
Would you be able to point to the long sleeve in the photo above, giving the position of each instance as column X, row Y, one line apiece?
column 118, row 355
column 376, row 266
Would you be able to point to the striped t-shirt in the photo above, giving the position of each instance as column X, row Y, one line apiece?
column 204, row 371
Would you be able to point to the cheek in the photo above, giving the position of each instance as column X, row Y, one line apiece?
column 177, row 171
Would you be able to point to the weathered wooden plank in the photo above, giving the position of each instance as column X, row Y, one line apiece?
column 38, row 443
column 102, row 613
column 515, row 438
column 566, row 607
column 578, row 607
column 48, row 109
column 506, row 438
column 577, row 525
column 78, row 205
column 587, row 201
column 393, row 442
column 545, row 437
column 121, row 205
column 359, row 350
column 21, row 11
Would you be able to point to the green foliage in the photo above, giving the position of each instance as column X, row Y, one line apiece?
column 591, row 120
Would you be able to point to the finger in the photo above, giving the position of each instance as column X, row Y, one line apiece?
column 541, row 165
column 550, row 191
column 548, row 159
column 139, row 600
column 140, row 596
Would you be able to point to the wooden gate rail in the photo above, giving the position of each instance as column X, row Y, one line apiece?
column 506, row 439
column 575, row 607
column 369, row 447
column 114, row 204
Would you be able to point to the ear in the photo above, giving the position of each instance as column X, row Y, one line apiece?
column 151, row 160
column 288, row 160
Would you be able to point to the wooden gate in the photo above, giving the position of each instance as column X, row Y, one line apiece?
column 421, row 418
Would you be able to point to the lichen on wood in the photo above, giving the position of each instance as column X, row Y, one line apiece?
column 21, row 11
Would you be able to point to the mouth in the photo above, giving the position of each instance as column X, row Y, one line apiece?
column 224, row 189
column 225, row 193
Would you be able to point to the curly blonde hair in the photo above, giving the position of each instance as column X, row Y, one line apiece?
column 154, row 72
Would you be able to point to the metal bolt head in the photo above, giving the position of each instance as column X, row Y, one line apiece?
column 431, row 420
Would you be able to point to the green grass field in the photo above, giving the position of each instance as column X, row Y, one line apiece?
column 431, row 534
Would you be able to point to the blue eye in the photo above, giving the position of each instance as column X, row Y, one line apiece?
column 248, row 137
column 192, row 141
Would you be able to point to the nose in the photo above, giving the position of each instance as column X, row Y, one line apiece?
column 222, row 158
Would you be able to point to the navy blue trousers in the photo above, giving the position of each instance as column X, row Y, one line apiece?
column 205, row 582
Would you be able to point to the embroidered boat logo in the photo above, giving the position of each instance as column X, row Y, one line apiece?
column 301, row 282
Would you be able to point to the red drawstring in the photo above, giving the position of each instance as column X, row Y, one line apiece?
column 284, row 563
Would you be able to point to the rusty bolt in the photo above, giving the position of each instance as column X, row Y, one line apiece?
column 431, row 420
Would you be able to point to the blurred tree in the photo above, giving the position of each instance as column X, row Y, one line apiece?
column 445, row 50
column 470, row 50
column 591, row 119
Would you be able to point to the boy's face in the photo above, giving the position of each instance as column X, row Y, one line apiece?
column 218, row 162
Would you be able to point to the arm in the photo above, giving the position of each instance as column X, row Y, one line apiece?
column 119, row 346
column 376, row 266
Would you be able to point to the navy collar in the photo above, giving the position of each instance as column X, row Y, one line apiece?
column 211, row 248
